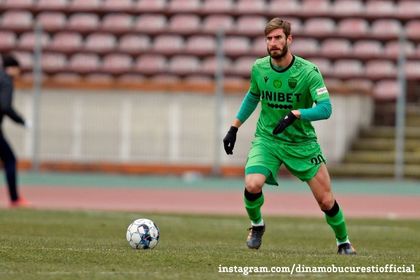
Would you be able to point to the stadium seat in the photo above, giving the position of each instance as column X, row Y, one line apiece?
column 150, row 64
column 393, row 49
column 259, row 47
column 53, row 62
column 368, row 49
column 315, row 8
column 168, row 44
column 25, row 59
column 184, row 23
column 66, row 42
column 99, row 78
column 213, row 23
column 412, row 28
column 183, row 65
column 364, row 84
column 386, row 90
column 52, row 21
column 380, row 69
column 130, row 78
column 27, row 41
column 134, row 44
column 305, row 47
column 242, row 66
column 83, row 22
column 386, row 28
column 18, row 4
column 147, row 6
column 379, row 8
column 209, row 65
column 116, row 63
column 217, row 6
column 412, row 69
column 408, row 9
column 348, row 68
column 150, row 23
column 353, row 27
column 85, row 6
column 165, row 79
column 52, row 5
column 319, row 27
column 16, row 20
column 8, row 41
column 200, row 80
column 116, row 6
column 236, row 45
column 83, row 63
column 323, row 64
column 184, row 6
column 251, row 25
column 100, row 42
column 296, row 25
column 67, row 77
column 283, row 8
column 250, row 7
column 117, row 22
column 336, row 48
column 347, row 8
column 201, row 45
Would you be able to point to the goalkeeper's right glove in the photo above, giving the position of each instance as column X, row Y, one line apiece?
column 230, row 139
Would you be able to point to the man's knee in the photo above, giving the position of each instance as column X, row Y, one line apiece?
column 326, row 202
column 254, row 183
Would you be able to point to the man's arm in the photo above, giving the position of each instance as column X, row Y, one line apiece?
column 6, row 107
column 321, row 111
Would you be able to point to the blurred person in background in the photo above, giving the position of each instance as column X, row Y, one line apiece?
column 11, row 70
column 287, row 86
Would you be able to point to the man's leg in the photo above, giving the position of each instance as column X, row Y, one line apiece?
column 9, row 162
column 320, row 185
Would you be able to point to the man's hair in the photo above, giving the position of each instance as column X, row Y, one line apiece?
column 9, row 61
column 277, row 23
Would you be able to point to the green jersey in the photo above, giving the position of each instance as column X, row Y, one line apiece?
column 296, row 87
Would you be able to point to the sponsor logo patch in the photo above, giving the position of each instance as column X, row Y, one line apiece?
column 321, row 90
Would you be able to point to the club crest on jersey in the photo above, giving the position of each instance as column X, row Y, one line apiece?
column 277, row 83
column 292, row 82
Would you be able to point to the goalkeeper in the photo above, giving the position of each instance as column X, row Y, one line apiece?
column 287, row 86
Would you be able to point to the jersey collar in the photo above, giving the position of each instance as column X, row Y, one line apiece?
column 284, row 69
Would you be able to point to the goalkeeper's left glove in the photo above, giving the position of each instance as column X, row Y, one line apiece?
column 284, row 123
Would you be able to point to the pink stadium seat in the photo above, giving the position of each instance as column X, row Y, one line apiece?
column 243, row 65
column 18, row 4
column 283, row 8
column 150, row 64
column 201, row 45
column 296, row 25
column 168, row 44
column 8, row 41
column 17, row 20
column 67, row 77
column 83, row 22
column 134, row 44
column 213, row 23
column 217, row 6
column 377, row 8
column 368, row 48
column 347, row 7
column 84, row 63
column 251, row 7
column 130, row 78
column 408, row 9
column 27, row 41
column 305, row 47
column 323, row 64
column 386, row 90
column 316, row 7
column 184, row 23
column 25, row 59
column 149, row 23
column 360, row 83
column 52, row 21
column 117, row 22
column 199, row 79
column 183, row 65
column 412, row 69
column 236, row 45
column 385, row 28
column 147, row 6
column 336, row 48
column 380, row 69
column 115, row 6
column 116, row 63
column 259, row 47
column 52, row 5
column 251, row 25
column 209, row 65
column 165, row 78
column 53, row 62
column 184, row 6
column 412, row 29
column 101, row 78
column 85, row 5
column 348, row 68
column 100, row 42
column 353, row 27
column 66, row 42
column 319, row 27
column 393, row 48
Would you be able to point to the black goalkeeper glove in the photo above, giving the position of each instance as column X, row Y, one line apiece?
column 284, row 123
column 230, row 139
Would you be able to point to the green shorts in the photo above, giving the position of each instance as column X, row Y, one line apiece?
column 302, row 160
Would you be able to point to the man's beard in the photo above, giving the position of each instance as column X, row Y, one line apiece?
column 281, row 54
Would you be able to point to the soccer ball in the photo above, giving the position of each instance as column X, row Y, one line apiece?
column 143, row 234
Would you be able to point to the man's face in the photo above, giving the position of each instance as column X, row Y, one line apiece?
column 277, row 43
column 13, row 71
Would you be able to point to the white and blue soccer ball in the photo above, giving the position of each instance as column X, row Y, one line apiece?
column 143, row 234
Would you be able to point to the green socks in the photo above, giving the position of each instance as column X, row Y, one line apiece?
column 253, row 203
column 335, row 219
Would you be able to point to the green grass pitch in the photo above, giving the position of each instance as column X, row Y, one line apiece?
column 38, row 244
